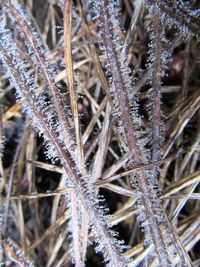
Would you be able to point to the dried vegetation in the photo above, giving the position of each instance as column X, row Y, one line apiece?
column 99, row 128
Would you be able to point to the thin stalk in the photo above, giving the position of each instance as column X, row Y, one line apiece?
column 42, row 61
column 84, row 193
column 147, row 194
column 70, row 79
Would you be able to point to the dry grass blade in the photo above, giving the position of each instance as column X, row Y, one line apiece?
column 70, row 78
column 182, row 183
column 103, row 146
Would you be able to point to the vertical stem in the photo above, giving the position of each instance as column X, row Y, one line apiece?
column 156, row 90
column 70, row 79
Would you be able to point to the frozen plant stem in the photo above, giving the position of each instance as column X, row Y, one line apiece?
column 36, row 46
column 153, row 217
column 106, row 242
column 156, row 88
column 174, row 13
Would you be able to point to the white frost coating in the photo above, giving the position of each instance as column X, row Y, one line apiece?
column 38, row 102
column 149, row 206
column 42, row 113
column 181, row 7
column 38, row 55
column 17, row 255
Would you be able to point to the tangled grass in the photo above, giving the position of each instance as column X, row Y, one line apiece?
column 100, row 153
